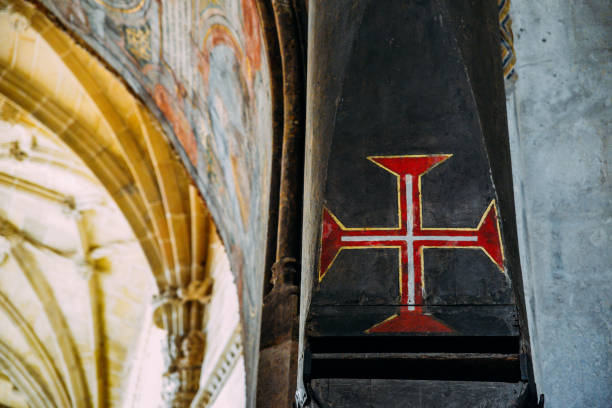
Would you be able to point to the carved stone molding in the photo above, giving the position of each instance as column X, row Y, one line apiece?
column 183, row 356
column 223, row 369
column 18, row 21
column 180, row 313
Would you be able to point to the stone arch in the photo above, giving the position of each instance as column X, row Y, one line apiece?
column 82, row 103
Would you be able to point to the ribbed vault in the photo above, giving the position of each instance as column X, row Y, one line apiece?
column 97, row 217
column 74, row 283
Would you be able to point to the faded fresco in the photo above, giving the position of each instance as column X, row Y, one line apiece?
column 413, row 236
column 201, row 67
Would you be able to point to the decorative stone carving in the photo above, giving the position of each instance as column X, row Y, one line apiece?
column 17, row 152
column 184, row 345
column 170, row 389
column 19, row 22
column 182, row 368
column 285, row 274
column 171, row 377
column 190, row 365
column 192, row 349
column 170, row 352
column 223, row 369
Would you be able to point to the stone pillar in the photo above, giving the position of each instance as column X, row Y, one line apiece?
column 409, row 236
column 181, row 317
column 560, row 127
column 278, row 351
column 279, row 328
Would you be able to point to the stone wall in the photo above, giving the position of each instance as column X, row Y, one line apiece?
column 559, row 119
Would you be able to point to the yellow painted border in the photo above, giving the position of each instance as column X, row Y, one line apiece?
column 371, row 247
column 393, row 316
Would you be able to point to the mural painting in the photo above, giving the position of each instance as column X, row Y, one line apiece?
column 201, row 67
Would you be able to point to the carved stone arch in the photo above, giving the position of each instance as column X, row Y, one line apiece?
column 123, row 145
column 210, row 72
column 120, row 141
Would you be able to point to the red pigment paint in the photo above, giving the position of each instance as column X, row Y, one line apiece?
column 411, row 239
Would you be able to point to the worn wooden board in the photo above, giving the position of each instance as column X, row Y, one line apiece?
column 354, row 320
column 202, row 68
column 409, row 233
column 350, row 393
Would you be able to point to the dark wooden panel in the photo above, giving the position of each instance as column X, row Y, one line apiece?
column 409, row 211
column 399, row 345
column 418, row 366
column 475, row 368
column 351, row 393
column 500, row 320
column 417, row 356
column 409, row 268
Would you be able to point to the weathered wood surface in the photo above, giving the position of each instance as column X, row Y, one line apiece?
column 499, row 320
column 414, row 344
column 415, row 356
column 418, row 366
column 407, row 183
column 351, row 393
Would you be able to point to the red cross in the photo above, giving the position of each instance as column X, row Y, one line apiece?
column 410, row 237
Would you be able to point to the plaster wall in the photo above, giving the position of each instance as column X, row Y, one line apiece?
column 559, row 118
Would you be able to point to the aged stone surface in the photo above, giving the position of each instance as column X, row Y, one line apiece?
column 560, row 132
column 183, row 347
column 277, row 368
column 279, row 338
column 182, row 368
column 202, row 68
column 280, row 363
column 69, row 324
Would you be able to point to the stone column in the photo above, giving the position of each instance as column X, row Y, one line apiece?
column 181, row 316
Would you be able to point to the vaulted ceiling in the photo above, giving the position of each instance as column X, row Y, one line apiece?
column 73, row 277
column 111, row 270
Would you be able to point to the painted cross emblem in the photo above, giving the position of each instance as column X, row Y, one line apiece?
column 411, row 238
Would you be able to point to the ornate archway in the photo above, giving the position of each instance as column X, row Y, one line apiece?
column 75, row 119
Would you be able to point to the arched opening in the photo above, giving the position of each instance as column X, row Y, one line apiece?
column 98, row 217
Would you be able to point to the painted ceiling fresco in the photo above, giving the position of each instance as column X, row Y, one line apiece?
column 201, row 67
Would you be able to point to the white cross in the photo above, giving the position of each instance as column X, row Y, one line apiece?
column 409, row 238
